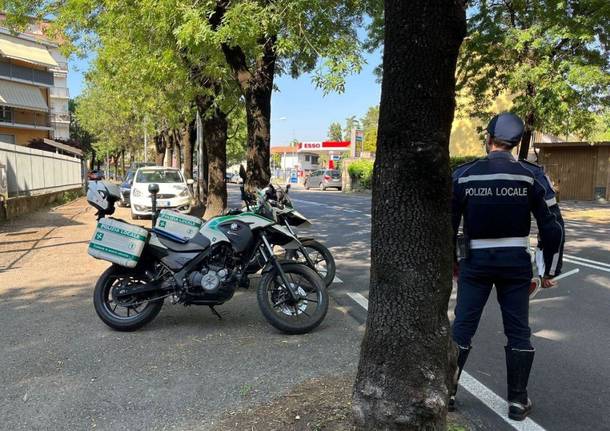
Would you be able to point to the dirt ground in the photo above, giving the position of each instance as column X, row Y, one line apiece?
column 321, row 404
column 63, row 369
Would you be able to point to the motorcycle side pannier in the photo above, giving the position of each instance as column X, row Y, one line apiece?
column 118, row 242
column 176, row 225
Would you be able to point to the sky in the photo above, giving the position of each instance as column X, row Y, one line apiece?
column 298, row 110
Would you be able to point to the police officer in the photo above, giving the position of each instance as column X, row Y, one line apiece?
column 495, row 196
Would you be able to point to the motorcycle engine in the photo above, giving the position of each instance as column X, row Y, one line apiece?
column 209, row 281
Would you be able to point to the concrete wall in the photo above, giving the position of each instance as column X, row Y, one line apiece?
column 32, row 172
column 14, row 207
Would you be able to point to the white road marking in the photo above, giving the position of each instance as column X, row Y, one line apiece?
column 476, row 388
column 588, row 265
column 495, row 403
column 337, row 280
column 309, row 202
column 594, row 262
column 359, row 299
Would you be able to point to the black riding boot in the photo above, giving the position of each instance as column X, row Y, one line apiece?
column 461, row 361
column 518, row 366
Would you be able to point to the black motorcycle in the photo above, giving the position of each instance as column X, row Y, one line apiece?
column 205, row 270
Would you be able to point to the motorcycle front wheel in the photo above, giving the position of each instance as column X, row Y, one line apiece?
column 286, row 314
column 127, row 314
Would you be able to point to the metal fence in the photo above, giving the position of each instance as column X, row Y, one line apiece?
column 34, row 172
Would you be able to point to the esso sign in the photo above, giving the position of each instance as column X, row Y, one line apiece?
column 311, row 145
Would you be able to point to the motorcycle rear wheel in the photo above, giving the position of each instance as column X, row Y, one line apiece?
column 321, row 256
column 119, row 315
column 281, row 311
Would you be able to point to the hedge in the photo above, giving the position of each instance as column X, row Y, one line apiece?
column 362, row 170
column 454, row 162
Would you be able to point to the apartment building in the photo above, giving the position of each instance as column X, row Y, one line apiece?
column 33, row 87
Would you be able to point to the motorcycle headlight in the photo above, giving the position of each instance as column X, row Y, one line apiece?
column 136, row 193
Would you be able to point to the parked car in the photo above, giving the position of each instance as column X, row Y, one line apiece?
column 125, row 187
column 324, row 179
column 235, row 179
column 95, row 175
column 173, row 193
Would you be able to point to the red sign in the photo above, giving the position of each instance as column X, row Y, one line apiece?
column 324, row 146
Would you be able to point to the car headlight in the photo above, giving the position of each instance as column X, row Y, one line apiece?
column 136, row 193
column 184, row 192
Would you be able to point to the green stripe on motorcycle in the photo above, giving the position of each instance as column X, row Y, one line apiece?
column 113, row 251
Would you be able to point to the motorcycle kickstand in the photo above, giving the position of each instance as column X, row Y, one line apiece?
column 215, row 312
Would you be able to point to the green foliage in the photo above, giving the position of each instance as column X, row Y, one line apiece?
column 334, row 132
column 454, row 162
column 362, row 171
column 77, row 132
column 551, row 55
column 237, row 141
column 351, row 123
column 369, row 125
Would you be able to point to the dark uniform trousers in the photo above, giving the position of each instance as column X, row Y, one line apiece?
column 510, row 271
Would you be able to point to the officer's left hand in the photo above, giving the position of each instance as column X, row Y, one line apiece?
column 548, row 282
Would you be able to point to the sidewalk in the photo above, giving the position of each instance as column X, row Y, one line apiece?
column 591, row 212
column 63, row 369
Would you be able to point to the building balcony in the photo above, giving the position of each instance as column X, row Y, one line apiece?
column 63, row 117
column 24, row 119
column 26, row 75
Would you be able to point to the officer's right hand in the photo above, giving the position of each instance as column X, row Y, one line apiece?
column 548, row 282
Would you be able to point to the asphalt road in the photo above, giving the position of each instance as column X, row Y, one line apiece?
column 570, row 324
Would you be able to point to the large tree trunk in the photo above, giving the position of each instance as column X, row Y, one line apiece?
column 215, row 134
column 169, row 148
column 404, row 368
column 526, row 139
column 123, row 162
column 258, row 115
column 159, row 149
column 257, row 89
column 92, row 161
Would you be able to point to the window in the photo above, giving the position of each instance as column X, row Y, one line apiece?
column 307, row 158
column 159, row 176
column 6, row 114
column 315, row 160
column 7, row 139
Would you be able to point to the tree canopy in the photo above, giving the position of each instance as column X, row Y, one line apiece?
column 551, row 56
column 334, row 131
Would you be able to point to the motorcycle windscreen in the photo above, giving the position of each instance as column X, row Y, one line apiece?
column 296, row 219
column 239, row 234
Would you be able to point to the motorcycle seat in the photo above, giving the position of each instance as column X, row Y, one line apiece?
column 196, row 244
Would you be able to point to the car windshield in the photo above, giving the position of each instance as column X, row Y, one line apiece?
column 159, row 176
column 334, row 174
